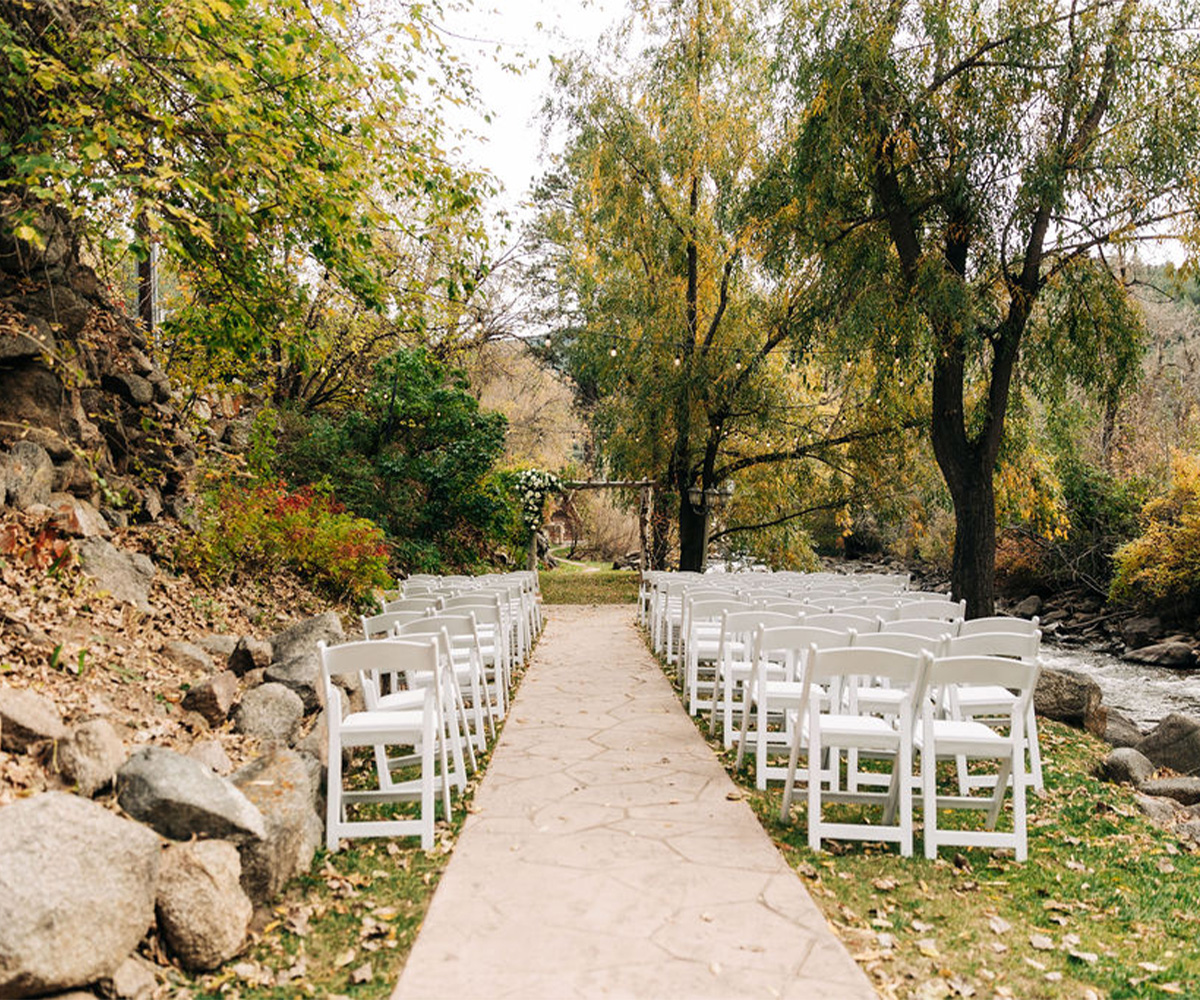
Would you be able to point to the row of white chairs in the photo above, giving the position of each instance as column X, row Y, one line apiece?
column 436, row 678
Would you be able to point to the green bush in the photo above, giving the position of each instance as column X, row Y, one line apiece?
column 1160, row 569
column 266, row 527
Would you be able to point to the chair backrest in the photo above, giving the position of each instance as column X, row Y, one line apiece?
column 475, row 599
column 382, row 626
column 789, row 643
column 1016, row 675
column 884, row 612
column 894, row 665
column 368, row 658
column 904, row 642
column 999, row 623
column 453, row 626
column 735, row 623
column 794, row 608
column 909, row 596
column 947, row 609
column 933, row 628
column 412, row 604
column 842, row 622
column 1009, row 644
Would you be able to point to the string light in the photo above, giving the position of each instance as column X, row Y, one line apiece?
column 612, row 352
column 548, row 342
column 678, row 360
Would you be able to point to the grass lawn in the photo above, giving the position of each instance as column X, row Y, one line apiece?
column 571, row 586
column 1108, row 905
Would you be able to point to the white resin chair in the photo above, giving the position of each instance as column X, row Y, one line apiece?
column 735, row 662
column 952, row 738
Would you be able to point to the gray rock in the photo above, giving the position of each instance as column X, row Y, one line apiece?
column 27, row 717
column 132, row 388
column 270, row 712
column 295, row 661
column 33, row 339
column 1158, row 810
column 133, row 980
column 203, row 913
column 212, row 697
column 211, row 754
column 1184, row 790
column 1141, row 630
column 189, row 656
column 1174, row 743
column 217, row 644
column 278, row 784
column 91, row 755
column 316, row 740
column 249, row 654
column 1126, row 766
column 76, row 892
column 78, row 518
column 1032, row 605
column 1071, row 697
column 318, row 775
column 27, row 474
column 1176, row 655
column 1122, row 731
column 125, row 575
column 181, row 798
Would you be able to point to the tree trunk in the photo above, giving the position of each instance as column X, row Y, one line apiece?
column 660, row 528
column 974, row 573
column 691, row 534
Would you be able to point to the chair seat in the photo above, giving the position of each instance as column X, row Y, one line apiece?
column 370, row 728
column 990, row 697
column 865, row 731
column 965, row 736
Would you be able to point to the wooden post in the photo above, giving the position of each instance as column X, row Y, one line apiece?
column 531, row 563
column 643, row 517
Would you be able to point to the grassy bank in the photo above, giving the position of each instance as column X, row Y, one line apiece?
column 572, row 586
column 1107, row 905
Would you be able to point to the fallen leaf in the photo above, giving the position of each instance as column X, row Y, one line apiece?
column 999, row 925
column 920, row 926
column 884, row 884
column 363, row 974
column 1040, row 942
column 345, row 958
column 928, row 948
column 1089, row 957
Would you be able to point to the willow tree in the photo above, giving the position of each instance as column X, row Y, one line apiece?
column 962, row 158
column 686, row 346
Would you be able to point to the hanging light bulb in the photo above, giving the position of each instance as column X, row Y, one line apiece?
column 547, row 341
column 678, row 360
column 612, row 352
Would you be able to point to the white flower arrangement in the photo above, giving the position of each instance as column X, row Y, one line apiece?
column 533, row 486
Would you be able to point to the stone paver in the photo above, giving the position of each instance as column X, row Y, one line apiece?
column 605, row 858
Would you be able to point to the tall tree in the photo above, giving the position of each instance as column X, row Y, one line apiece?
column 684, row 343
column 961, row 158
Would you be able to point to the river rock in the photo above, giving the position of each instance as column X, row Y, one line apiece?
column 1071, row 697
column 1175, row 655
column 1161, row 811
column 1121, row 731
column 1141, row 630
column 249, row 654
column 217, row 644
column 1184, row 790
column 1174, row 743
column 211, row 754
column 270, row 712
column 1029, row 608
column 212, row 697
column 189, row 656
column 27, row 474
column 76, row 892
column 90, row 756
column 181, row 798
column 202, row 911
column 27, row 717
column 1126, row 766
column 76, row 517
column 278, row 784
column 132, row 388
column 125, row 575
column 295, row 662
column 133, row 980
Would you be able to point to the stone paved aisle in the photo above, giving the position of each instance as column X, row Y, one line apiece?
column 605, row 859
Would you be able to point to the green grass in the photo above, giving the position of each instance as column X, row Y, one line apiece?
column 1113, row 901
column 611, row 586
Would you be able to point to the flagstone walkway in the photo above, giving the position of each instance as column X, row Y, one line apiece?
column 606, row 858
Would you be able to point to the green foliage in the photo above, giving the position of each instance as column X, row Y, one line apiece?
column 417, row 459
column 1160, row 569
column 265, row 527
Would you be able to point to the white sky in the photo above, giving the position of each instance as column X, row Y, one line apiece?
column 488, row 36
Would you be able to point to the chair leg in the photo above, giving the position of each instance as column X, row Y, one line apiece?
column 814, row 784
column 333, row 796
column 427, row 797
column 1035, row 748
column 929, row 795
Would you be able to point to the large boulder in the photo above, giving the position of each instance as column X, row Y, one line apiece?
column 212, row 755
column 278, row 784
column 295, row 662
column 125, row 575
column 1141, row 630
column 1121, row 731
column 78, row 518
column 1126, row 766
column 1184, row 790
column 1028, row 608
column 189, row 656
column 217, row 643
column 27, row 475
column 76, row 892
column 270, row 712
column 203, row 913
column 90, row 756
column 26, row 718
column 181, row 798
column 1175, row 655
column 213, row 697
column 1174, row 743
column 1072, row 697
column 249, row 654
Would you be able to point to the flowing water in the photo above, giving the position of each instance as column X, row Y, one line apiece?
column 1144, row 693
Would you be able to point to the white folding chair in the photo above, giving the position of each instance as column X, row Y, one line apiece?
column 834, row 727
column 842, row 621
column 931, row 628
column 700, row 645
column 735, row 662
column 461, row 647
column 951, row 738
column 933, row 608
column 422, row 604
column 415, row 726
column 1000, row 623
column 382, row 626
